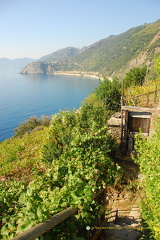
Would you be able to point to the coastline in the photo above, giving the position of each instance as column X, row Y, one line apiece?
column 79, row 74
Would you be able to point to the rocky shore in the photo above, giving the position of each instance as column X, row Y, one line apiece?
column 49, row 69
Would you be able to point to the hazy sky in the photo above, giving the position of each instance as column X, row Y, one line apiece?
column 34, row 28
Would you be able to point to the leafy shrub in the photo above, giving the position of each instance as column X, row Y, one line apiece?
column 30, row 124
column 135, row 77
column 110, row 93
column 149, row 160
column 78, row 151
column 66, row 125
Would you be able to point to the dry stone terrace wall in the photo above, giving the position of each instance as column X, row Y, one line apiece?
column 114, row 126
column 115, row 132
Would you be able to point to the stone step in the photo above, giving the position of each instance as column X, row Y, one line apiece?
column 126, row 227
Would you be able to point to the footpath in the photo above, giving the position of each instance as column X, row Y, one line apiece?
column 124, row 222
column 123, row 214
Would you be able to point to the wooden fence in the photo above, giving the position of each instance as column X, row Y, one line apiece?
column 48, row 224
column 43, row 227
column 149, row 99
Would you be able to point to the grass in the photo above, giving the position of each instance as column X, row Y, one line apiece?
column 19, row 156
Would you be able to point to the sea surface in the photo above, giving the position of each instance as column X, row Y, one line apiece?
column 23, row 96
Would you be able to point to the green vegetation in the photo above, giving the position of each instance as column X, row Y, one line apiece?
column 150, row 100
column 18, row 156
column 112, row 56
column 32, row 124
column 147, row 87
column 110, row 93
column 50, row 165
column 135, row 77
column 149, row 161
column 157, row 65
column 60, row 55
column 58, row 166
column 68, row 127
column 106, row 97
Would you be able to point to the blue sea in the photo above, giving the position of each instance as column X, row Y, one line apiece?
column 23, row 96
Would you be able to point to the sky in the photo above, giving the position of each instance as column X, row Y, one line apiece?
column 34, row 28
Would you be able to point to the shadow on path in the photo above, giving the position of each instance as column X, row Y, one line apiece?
column 123, row 228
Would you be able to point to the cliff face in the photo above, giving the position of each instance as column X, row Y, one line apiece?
column 32, row 68
column 38, row 68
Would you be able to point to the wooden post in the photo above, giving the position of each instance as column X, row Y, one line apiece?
column 121, row 122
column 155, row 95
column 126, row 133
column 148, row 100
column 123, row 88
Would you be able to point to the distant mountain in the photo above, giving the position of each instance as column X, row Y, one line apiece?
column 15, row 63
column 117, row 54
column 112, row 56
column 60, row 55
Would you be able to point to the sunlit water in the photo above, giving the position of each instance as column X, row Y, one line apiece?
column 22, row 96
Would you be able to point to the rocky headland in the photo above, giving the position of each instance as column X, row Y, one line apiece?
column 49, row 69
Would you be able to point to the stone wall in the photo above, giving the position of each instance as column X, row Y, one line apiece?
column 115, row 132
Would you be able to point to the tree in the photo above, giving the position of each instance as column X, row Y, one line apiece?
column 110, row 93
column 135, row 77
column 31, row 124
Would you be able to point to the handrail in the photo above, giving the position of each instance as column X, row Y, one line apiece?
column 126, row 99
column 43, row 227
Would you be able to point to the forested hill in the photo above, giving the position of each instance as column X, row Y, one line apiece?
column 114, row 55
column 62, row 54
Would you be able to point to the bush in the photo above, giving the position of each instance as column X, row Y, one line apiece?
column 110, row 93
column 78, row 149
column 149, row 160
column 30, row 124
column 67, row 124
column 135, row 77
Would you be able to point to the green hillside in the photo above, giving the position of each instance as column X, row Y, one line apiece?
column 61, row 54
column 112, row 56
column 116, row 52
